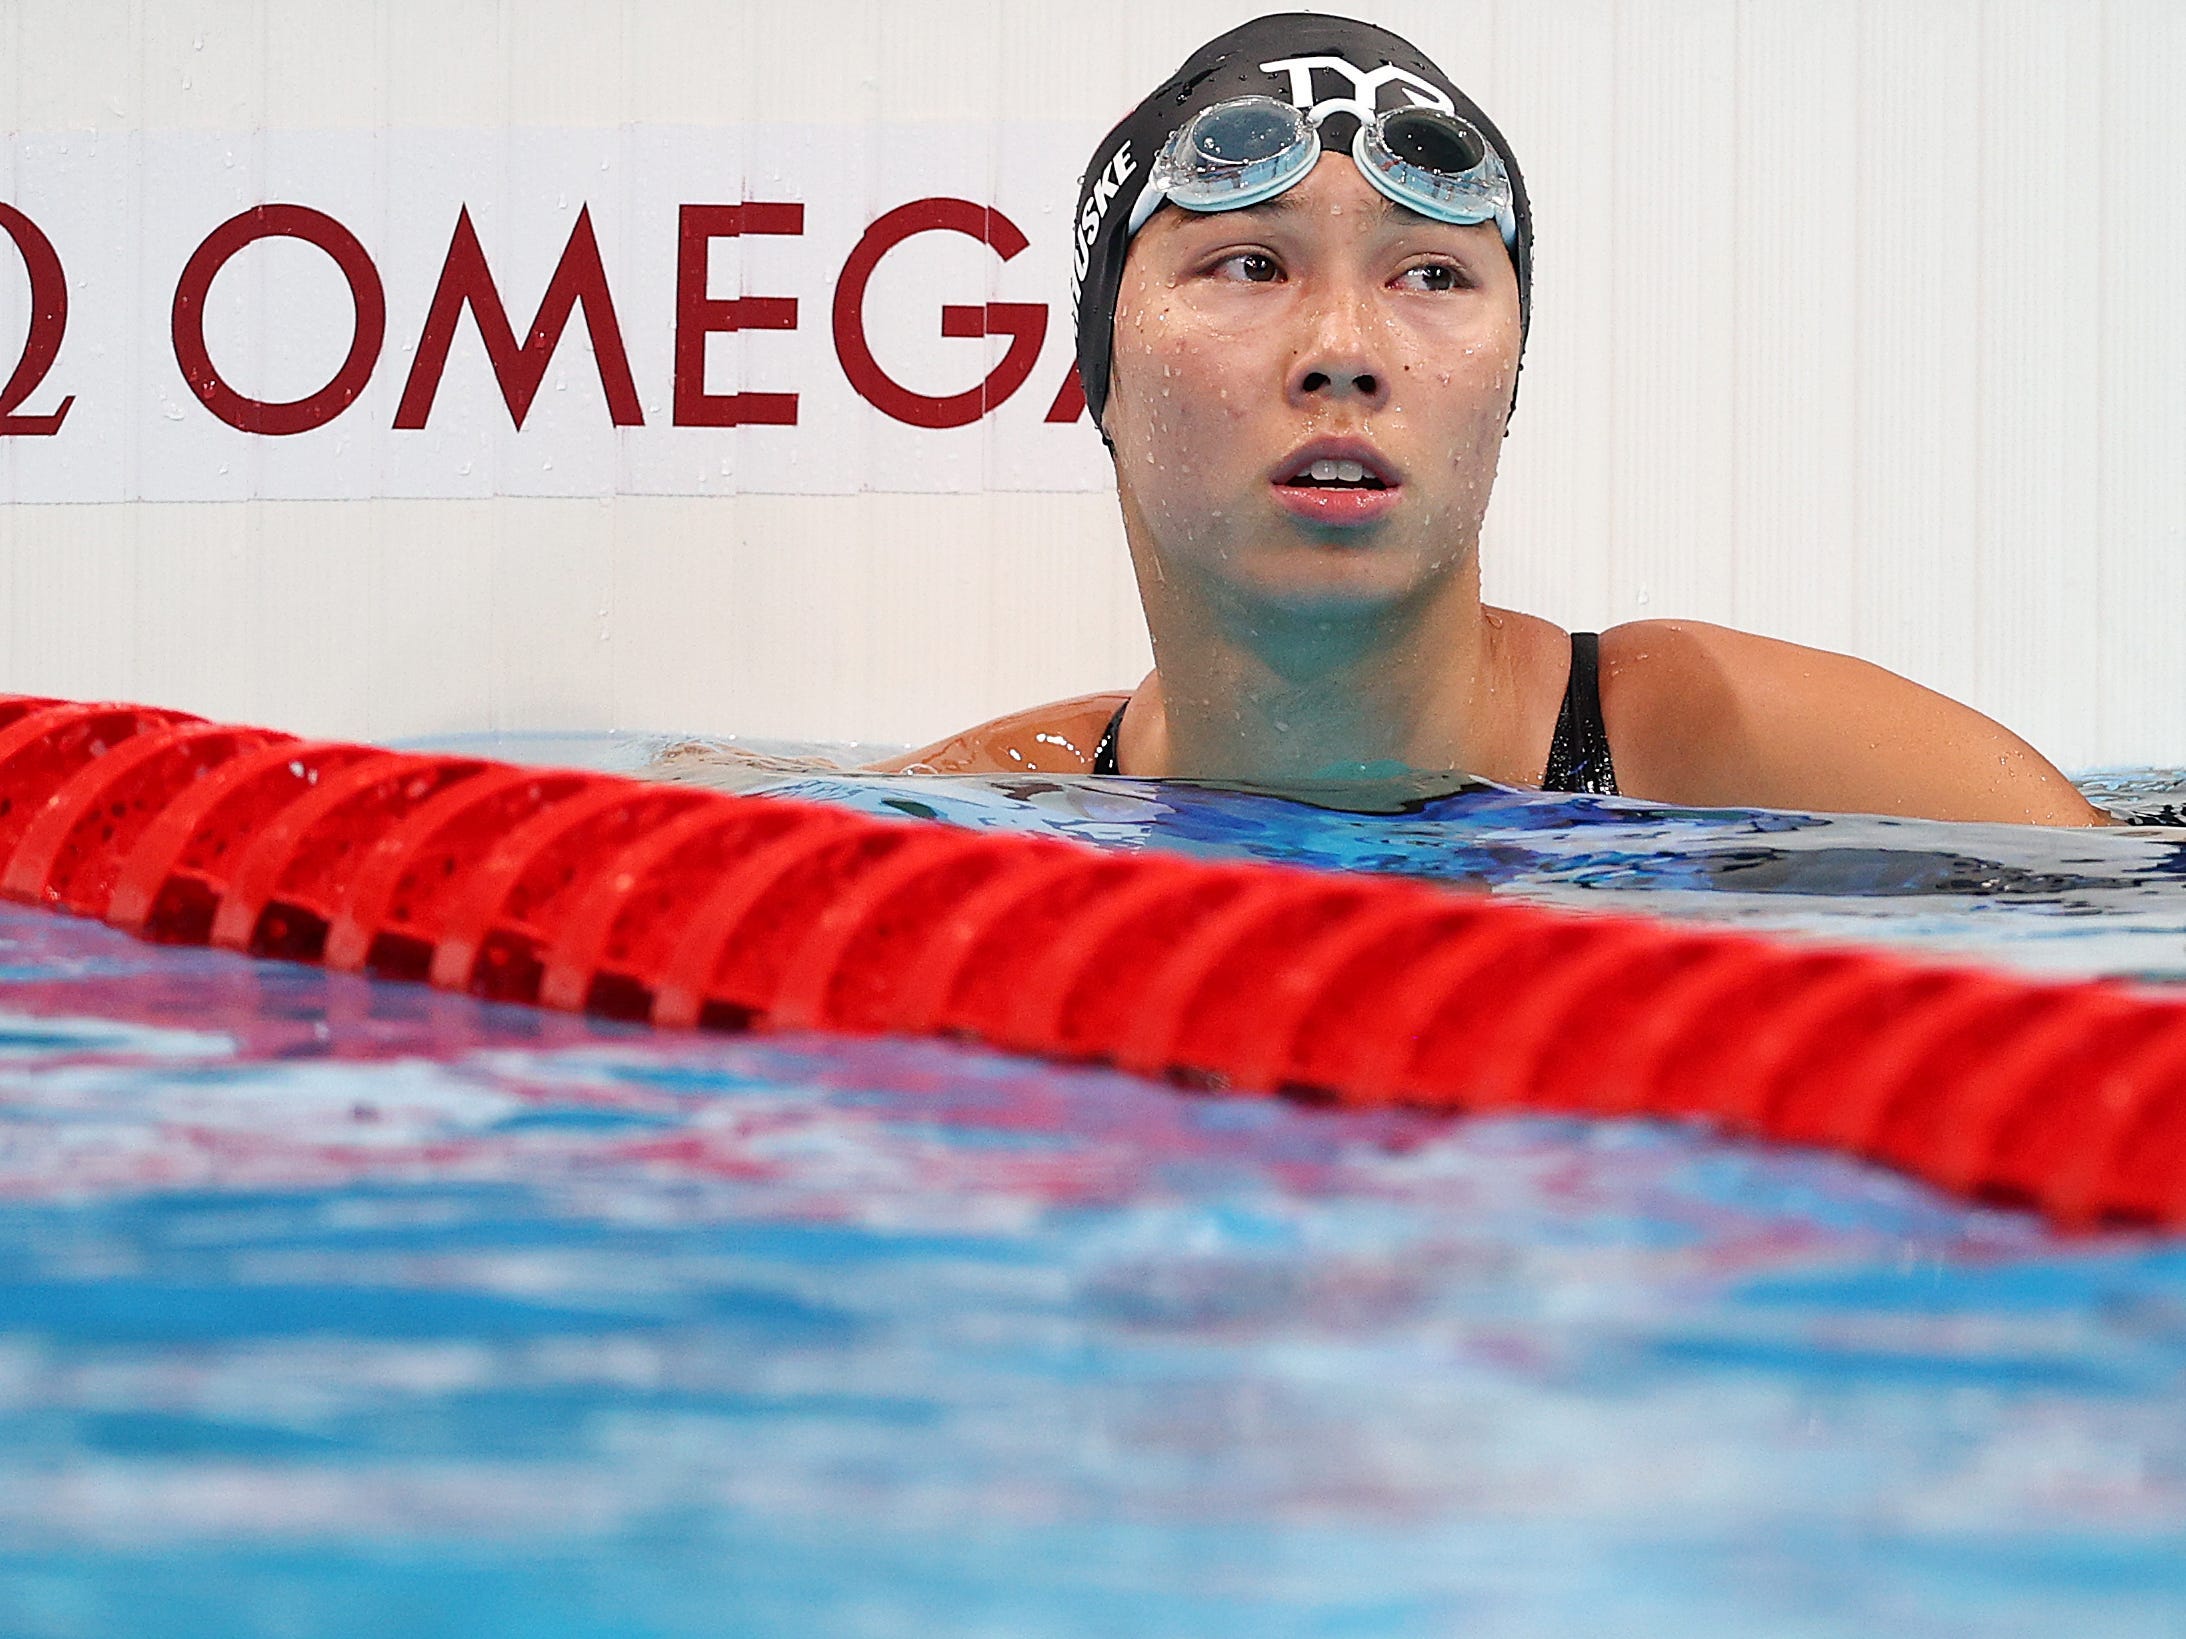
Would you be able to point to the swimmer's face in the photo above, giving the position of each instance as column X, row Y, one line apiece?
column 1326, row 322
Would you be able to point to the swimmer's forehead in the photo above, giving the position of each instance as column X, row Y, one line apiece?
column 1291, row 206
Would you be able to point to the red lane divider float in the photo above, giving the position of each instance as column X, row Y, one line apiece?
column 691, row 907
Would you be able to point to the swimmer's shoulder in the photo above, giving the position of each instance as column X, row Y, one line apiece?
column 1707, row 715
column 1057, row 738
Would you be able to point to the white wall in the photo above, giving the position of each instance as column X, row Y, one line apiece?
column 1855, row 323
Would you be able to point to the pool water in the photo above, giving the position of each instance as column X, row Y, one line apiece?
column 333, row 1307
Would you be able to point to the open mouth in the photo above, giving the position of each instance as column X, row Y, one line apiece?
column 1327, row 474
column 1337, row 484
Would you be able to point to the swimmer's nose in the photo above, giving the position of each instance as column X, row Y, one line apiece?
column 1339, row 360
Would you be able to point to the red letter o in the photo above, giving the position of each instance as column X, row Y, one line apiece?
column 253, row 415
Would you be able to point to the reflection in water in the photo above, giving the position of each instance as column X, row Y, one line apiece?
column 2070, row 903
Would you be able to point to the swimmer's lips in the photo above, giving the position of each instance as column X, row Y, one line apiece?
column 1338, row 505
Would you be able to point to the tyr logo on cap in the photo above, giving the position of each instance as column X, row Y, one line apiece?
column 1365, row 88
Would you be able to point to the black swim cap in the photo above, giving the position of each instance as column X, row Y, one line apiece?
column 1335, row 66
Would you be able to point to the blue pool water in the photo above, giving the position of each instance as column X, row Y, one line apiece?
column 335, row 1308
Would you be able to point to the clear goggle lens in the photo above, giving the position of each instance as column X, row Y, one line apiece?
column 1438, row 165
column 1250, row 149
column 1235, row 154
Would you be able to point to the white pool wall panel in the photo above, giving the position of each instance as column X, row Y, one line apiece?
column 1854, row 323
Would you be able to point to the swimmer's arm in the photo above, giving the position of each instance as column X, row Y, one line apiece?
column 1057, row 738
column 1704, row 715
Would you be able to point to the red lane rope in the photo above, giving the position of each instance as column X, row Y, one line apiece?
column 683, row 906
column 397, row 890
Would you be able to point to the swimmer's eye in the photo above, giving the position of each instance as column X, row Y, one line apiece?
column 1435, row 277
column 1255, row 267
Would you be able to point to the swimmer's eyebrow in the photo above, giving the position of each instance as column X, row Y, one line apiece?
column 1283, row 204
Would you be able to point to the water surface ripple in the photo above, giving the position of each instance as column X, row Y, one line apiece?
column 336, row 1308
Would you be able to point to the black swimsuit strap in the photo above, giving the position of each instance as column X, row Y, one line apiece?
column 1104, row 754
column 1578, row 758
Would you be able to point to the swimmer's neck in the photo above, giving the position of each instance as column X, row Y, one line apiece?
column 1270, row 697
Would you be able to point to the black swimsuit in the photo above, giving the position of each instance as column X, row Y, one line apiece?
column 1578, row 758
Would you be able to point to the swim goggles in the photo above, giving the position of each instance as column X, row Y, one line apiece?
column 1250, row 149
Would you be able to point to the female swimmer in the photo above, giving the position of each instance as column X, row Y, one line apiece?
column 1304, row 285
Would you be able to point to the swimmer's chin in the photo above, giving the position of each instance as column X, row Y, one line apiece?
column 1307, row 574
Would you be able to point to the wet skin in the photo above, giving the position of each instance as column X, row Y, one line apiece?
column 1309, row 631
column 1327, row 321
